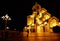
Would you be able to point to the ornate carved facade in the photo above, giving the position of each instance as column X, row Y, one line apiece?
column 41, row 20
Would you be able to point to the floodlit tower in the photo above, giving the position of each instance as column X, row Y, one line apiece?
column 41, row 20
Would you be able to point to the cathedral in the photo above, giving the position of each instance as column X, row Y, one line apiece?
column 40, row 20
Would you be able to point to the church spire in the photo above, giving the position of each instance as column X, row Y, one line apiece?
column 36, row 7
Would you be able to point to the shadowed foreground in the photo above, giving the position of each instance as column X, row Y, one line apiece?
column 22, row 36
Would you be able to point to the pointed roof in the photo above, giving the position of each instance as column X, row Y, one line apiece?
column 36, row 7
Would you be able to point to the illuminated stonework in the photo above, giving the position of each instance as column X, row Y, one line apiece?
column 41, row 20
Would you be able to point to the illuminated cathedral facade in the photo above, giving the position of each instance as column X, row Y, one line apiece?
column 40, row 20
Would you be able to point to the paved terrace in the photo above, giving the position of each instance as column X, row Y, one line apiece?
column 22, row 36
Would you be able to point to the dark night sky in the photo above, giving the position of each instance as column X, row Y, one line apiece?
column 18, row 10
